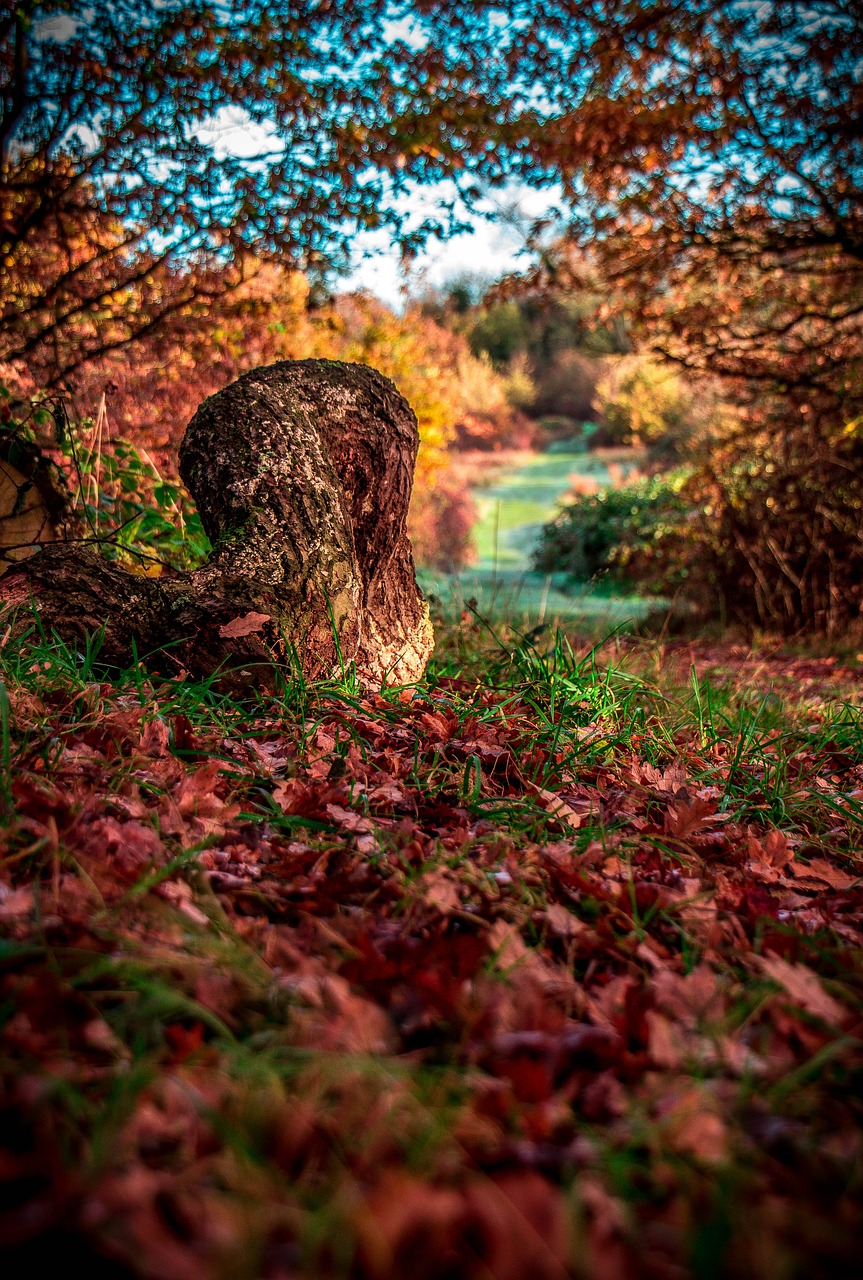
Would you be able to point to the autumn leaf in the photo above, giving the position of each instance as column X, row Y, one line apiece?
column 558, row 808
column 244, row 625
column 804, row 987
column 671, row 780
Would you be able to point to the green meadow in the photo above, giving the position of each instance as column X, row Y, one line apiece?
column 501, row 586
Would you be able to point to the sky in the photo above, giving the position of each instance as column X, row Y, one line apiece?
column 493, row 248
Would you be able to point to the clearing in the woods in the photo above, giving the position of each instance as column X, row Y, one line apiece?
column 514, row 499
column 547, row 967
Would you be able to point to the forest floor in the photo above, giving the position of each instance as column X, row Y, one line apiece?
column 549, row 967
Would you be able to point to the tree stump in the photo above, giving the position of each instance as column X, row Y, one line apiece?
column 302, row 474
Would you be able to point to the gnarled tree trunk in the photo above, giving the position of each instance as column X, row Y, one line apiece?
column 302, row 474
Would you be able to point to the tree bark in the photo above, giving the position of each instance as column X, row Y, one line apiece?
column 302, row 474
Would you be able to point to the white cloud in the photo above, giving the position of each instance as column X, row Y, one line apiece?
column 232, row 132
column 495, row 246
column 59, row 27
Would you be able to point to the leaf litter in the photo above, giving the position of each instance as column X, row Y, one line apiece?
column 531, row 974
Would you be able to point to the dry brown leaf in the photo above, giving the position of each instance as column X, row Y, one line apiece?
column 440, row 889
column 803, row 986
column 670, row 780
column 685, row 819
column 665, row 1041
column 348, row 820
column 821, row 870
column 244, row 625
column 558, row 808
column 693, row 1128
column 563, row 922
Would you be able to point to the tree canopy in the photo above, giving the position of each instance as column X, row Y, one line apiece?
column 121, row 202
column 710, row 156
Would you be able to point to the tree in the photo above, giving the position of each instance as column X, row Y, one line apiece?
column 712, row 156
column 122, row 204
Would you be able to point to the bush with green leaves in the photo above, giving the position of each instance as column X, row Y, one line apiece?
column 764, row 532
column 138, row 516
column 634, row 533
column 118, row 498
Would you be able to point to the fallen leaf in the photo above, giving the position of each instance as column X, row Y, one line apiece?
column 693, row 1127
column 244, row 625
column 803, row 986
column 670, row 780
column 563, row 922
column 684, row 819
column 821, row 870
column 558, row 808
column 348, row 820
column 440, row 889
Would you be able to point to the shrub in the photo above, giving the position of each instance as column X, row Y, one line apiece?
column 637, row 532
column 567, row 386
column 644, row 403
column 117, row 497
column 782, row 530
column 766, row 533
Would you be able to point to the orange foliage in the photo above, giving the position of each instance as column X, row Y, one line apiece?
column 153, row 386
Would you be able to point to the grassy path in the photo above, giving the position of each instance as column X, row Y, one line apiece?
column 512, row 512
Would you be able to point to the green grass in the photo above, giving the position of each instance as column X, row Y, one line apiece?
column 513, row 509
column 521, row 600
column 502, row 588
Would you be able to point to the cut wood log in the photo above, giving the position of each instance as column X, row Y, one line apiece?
column 302, row 474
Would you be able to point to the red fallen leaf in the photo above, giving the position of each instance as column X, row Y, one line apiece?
column 562, row 922
column 184, row 737
column 348, row 820
column 17, row 904
column 693, row 1127
column 508, row 1228
column 821, row 870
column 435, row 966
column 441, row 725
column 130, row 845
column 684, row 819
column 768, row 856
column 154, row 738
column 196, row 796
column 389, row 794
column 440, row 888
column 244, row 625
column 756, row 902
column 184, row 1041
column 558, row 808
column 179, row 894
column 670, row 780
column 666, row 1042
